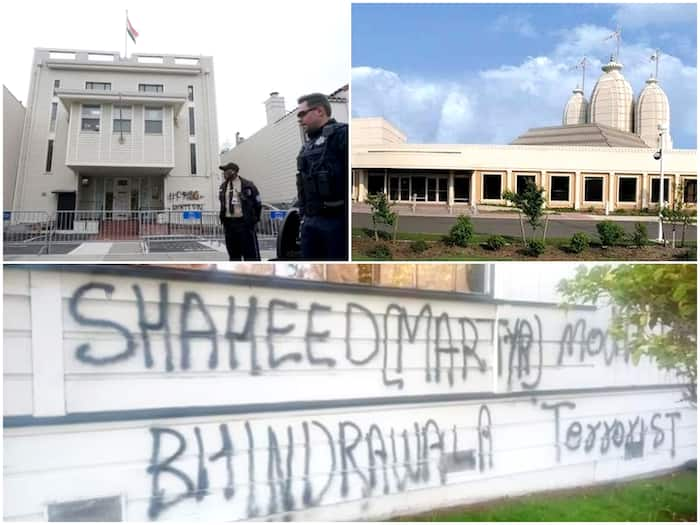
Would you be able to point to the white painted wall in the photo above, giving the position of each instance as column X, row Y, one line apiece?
column 268, row 157
column 12, row 122
column 310, row 441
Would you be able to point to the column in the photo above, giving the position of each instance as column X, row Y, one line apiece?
column 645, row 185
column 450, row 189
column 578, row 183
column 612, row 177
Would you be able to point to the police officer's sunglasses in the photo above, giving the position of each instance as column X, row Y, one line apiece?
column 305, row 112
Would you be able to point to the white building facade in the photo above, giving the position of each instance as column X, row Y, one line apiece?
column 268, row 157
column 465, row 175
column 106, row 133
column 12, row 121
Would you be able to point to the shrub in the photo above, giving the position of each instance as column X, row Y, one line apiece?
column 535, row 247
column 610, row 233
column 419, row 246
column 495, row 242
column 579, row 242
column 462, row 232
column 640, row 237
column 379, row 251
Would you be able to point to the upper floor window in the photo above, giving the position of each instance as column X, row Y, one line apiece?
column 54, row 111
column 154, row 120
column 190, row 93
column 56, row 85
column 151, row 88
column 100, row 86
column 90, row 118
column 121, row 119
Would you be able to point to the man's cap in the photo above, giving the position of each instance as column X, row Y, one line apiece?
column 229, row 166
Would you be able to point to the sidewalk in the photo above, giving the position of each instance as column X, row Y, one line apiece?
column 134, row 251
column 497, row 212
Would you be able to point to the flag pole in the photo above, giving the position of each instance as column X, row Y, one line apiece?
column 126, row 21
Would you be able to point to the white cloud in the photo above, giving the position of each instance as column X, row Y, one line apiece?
column 515, row 24
column 498, row 104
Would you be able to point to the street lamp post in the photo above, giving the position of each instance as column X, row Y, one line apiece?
column 660, row 153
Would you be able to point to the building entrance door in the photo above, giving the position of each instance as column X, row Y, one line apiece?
column 65, row 209
column 122, row 198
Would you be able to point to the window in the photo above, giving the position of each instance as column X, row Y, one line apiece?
column 151, row 88
column 193, row 159
column 49, row 156
column 190, row 93
column 521, row 182
column 375, row 183
column 593, row 189
column 154, row 120
column 98, row 86
column 469, row 278
column 492, row 186
column 559, row 189
column 56, row 85
column 627, row 189
column 191, row 112
column 121, row 119
column 97, row 509
column 90, row 118
column 461, row 183
column 54, row 111
column 655, row 190
column 690, row 191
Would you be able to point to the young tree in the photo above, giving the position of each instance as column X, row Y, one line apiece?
column 530, row 203
column 381, row 213
column 679, row 213
column 659, row 303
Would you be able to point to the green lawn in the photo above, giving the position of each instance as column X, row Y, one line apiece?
column 668, row 498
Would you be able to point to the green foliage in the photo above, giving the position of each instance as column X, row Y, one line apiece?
column 610, row 233
column 419, row 246
column 379, row 251
column 535, row 247
column 655, row 310
column 531, row 204
column 461, row 233
column 667, row 498
column 579, row 242
column 381, row 212
column 495, row 242
column 640, row 237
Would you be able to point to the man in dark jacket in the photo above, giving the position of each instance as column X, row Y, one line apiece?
column 239, row 213
column 322, row 181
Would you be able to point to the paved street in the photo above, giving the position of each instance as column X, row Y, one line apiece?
column 502, row 224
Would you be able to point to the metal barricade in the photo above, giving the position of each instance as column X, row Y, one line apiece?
column 26, row 232
column 62, row 231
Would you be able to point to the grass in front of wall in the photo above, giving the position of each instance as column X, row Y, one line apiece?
column 668, row 498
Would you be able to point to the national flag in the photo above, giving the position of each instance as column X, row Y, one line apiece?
column 130, row 29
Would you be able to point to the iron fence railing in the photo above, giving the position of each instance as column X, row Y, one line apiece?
column 41, row 231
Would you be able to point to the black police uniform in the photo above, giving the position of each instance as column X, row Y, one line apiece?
column 241, row 239
column 322, row 188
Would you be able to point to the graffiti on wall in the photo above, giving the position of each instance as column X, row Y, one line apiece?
column 450, row 345
column 369, row 459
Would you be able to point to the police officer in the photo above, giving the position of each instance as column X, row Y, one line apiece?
column 240, row 212
column 322, row 181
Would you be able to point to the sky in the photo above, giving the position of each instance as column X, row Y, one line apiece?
column 485, row 73
column 259, row 46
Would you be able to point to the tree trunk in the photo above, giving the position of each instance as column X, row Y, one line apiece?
column 522, row 228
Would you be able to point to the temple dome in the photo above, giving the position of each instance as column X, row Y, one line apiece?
column 612, row 101
column 576, row 110
column 653, row 109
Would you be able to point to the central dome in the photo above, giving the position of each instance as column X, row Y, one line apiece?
column 612, row 101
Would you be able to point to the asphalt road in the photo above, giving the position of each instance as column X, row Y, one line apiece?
column 511, row 226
